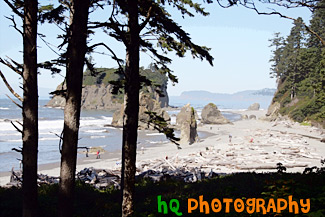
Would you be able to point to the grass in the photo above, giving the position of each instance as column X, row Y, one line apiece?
column 93, row 203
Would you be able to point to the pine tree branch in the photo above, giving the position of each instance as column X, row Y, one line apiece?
column 17, row 150
column 15, row 25
column 19, row 130
column 315, row 34
column 8, row 64
column 19, row 123
column 9, row 87
column 142, row 25
column 19, row 66
column 47, row 44
column 118, row 60
column 14, row 9
column 14, row 102
column 253, row 7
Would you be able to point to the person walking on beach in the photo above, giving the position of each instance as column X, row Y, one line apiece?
column 230, row 137
column 98, row 154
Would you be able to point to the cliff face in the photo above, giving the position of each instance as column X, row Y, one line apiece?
column 96, row 94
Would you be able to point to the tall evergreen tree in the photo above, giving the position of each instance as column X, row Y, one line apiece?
column 294, row 42
column 151, row 16
column 278, row 43
column 27, row 11
column 30, row 110
column 301, row 70
column 75, row 59
column 317, row 24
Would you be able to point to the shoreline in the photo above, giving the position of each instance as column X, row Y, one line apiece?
column 272, row 142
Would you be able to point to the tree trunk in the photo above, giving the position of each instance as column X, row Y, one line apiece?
column 30, row 110
column 75, row 62
column 131, row 111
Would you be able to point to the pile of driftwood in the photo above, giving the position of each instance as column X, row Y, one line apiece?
column 180, row 174
column 259, row 150
column 100, row 178
column 16, row 179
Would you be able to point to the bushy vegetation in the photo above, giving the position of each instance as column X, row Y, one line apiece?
column 153, row 79
column 107, row 75
column 298, row 63
column 91, row 202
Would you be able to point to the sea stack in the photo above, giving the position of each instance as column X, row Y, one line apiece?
column 212, row 115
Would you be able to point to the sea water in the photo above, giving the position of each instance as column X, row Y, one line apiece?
column 94, row 131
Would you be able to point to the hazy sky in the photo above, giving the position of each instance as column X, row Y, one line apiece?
column 237, row 36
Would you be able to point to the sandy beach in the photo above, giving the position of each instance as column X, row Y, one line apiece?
column 256, row 145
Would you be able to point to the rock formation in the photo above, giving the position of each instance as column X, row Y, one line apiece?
column 244, row 117
column 184, row 115
column 273, row 111
column 252, row 117
column 93, row 97
column 96, row 93
column 254, row 107
column 212, row 115
column 186, row 121
column 146, row 103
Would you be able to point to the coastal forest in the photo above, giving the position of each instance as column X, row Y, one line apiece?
column 146, row 26
column 298, row 64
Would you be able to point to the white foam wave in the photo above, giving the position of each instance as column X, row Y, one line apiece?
column 96, row 122
column 48, row 139
column 10, row 133
column 96, row 137
column 14, row 140
column 4, row 108
column 154, row 134
column 95, row 131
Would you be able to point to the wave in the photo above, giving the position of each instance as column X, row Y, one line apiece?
column 4, row 108
column 154, row 134
column 7, row 152
column 156, row 142
column 95, row 131
column 97, row 137
column 87, row 118
column 14, row 140
column 10, row 133
column 48, row 139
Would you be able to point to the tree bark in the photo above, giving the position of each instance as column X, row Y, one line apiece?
column 30, row 110
column 77, row 46
column 131, row 111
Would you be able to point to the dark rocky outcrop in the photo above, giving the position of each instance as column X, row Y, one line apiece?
column 212, row 115
column 254, row 107
column 146, row 104
column 99, row 97
column 97, row 90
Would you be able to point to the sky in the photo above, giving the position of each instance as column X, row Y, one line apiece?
column 237, row 36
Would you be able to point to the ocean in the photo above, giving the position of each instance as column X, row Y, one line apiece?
column 93, row 132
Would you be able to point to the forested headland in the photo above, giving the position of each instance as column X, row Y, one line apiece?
column 298, row 63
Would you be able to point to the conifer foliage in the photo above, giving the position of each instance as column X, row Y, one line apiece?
column 298, row 65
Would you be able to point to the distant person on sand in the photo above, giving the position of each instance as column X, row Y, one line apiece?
column 98, row 154
column 230, row 137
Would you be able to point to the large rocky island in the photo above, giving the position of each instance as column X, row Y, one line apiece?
column 97, row 90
